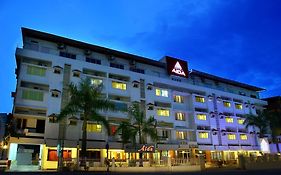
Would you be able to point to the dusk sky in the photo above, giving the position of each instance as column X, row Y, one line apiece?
column 235, row 39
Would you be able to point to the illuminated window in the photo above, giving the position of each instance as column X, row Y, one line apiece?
column 238, row 106
column 181, row 135
column 93, row 127
column 178, row 99
column 203, row 135
column 118, row 85
column 53, row 155
column 96, row 82
column 226, row 104
column 32, row 95
column 32, row 70
column 163, row 112
column 180, row 116
column 241, row 121
column 161, row 92
column 243, row 137
column 199, row 99
column 201, row 116
column 231, row 137
column 228, row 120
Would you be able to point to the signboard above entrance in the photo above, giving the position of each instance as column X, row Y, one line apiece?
column 140, row 148
column 176, row 67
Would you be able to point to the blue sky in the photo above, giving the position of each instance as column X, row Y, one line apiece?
column 235, row 39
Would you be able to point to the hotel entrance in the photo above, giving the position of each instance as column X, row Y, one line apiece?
column 25, row 157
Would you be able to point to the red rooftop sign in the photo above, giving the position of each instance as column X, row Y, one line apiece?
column 176, row 67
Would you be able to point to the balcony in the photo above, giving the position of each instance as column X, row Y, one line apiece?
column 30, row 111
column 28, row 132
column 35, row 73
column 200, row 101
column 31, row 97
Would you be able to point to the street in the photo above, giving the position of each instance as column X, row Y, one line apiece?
column 207, row 172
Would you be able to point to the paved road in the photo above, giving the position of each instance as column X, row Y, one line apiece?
column 207, row 172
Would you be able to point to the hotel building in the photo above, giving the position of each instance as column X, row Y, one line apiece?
column 196, row 112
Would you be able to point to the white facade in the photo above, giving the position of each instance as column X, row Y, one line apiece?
column 210, row 109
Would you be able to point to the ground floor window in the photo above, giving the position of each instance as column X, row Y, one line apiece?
column 94, row 155
column 53, row 155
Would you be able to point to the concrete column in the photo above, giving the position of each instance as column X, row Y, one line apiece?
column 202, row 162
column 169, row 162
column 241, row 162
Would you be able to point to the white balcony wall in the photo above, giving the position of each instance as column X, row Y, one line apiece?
column 31, row 103
column 34, row 78
column 202, row 122
column 205, row 140
column 245, row 142
column 226, row 141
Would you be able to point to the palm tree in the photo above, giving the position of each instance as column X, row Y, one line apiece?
column 260, row 121
column 137, row 126
column 86, row 100
column 275, row 126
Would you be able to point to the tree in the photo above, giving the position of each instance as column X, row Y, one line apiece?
column 260, row 121
column 275, row 126
column 87, row 101
column 137, row 126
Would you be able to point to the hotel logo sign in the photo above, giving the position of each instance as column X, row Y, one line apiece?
column 177, row 67
column 140, row 148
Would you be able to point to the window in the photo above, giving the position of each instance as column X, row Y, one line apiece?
column 228, row 119
column 165, row 134
column 199, row 99
column 53, row 155
column 113, row 129
column 141, row 71
column 67, row 55
column 120, row 106
column 93, row 127
column 203, row 135
column 231, row 137
column 38, row 71
column 241, row 121
column 94, row 155
column 161, row 92
column 201, row 116
column 238, row 106
column 92, row 60
column 32, row 95
column 163, row 112
column 118, row 85
column 179, row 99
column 118, row 66
column 181, row 135
column 180, row 116
column 226, row 104
column 243, row 137
column 96, row 82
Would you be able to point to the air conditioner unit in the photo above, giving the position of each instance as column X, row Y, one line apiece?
column 87, row 52
column 111, row 58
column 61, row 46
